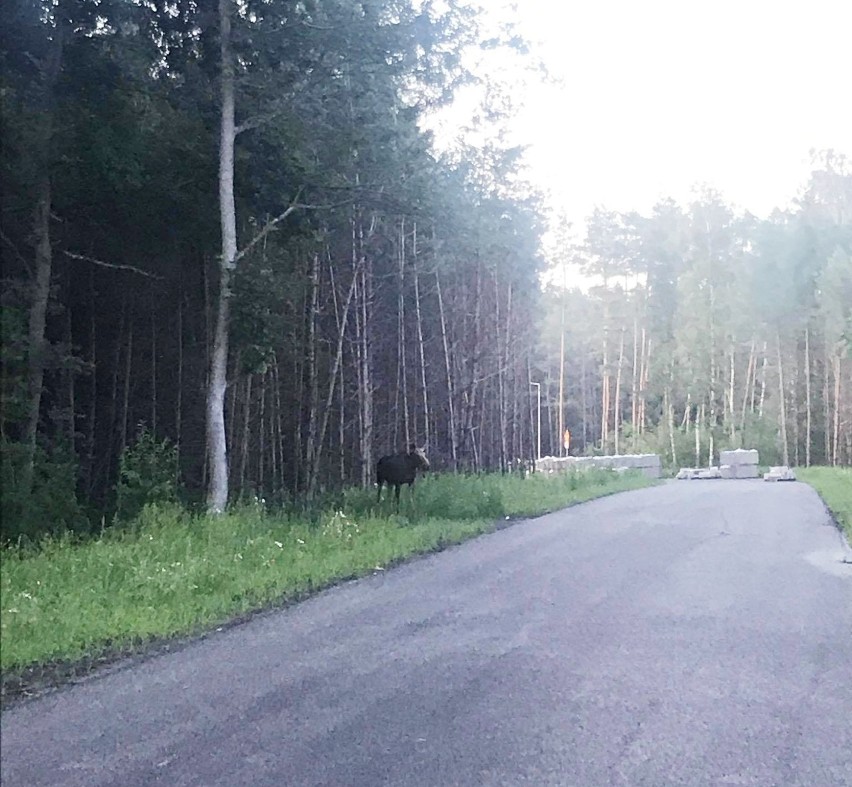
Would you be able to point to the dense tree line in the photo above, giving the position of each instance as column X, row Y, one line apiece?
column 708, row 330
column 234, row 267
column 232, row 262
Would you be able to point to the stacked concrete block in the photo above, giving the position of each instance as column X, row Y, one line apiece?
column 780, row 473
column 741, row 463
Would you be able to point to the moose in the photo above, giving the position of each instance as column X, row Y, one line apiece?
column 400, row 469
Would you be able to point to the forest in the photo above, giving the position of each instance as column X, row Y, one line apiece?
column 237, row 267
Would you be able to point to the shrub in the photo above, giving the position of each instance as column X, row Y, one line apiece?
column 147, row 474
column 52, row 505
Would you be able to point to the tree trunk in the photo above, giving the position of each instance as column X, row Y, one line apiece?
column 420, row 344
column 782, row 406
column 261, row 448
column 835, row 453
column 605, row 392
column 402, row 369
column 616, row 416
column 92, row 416
column 749, row 385
column 808, row 424
column 36, row 344
column 313, row 473
column 125, row 406
column 311, row 448
column 179, row 393
column 217, row 490
column 634, row 398
column 450, row 391
column 561, row 420
column 244, row 442
column 153, row 367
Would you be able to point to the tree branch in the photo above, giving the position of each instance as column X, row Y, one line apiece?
column 272, row 223
column 112, row 265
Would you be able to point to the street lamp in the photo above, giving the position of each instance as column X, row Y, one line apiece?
column 538, row 415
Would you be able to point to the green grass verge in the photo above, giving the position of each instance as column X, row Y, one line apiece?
column 173, row 573
column 834, row 485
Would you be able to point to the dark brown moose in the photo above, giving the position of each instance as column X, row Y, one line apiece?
column 400, row 469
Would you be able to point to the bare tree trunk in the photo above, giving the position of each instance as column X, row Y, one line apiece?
column 420, row 344
column 36, row 344
column 125, row 406
column 583, row 394
column 669, row 408
column 179, row 402
column 782, row 406
column 329, row 399
column 279, row 437
column 274, row 441
column 732, row 394
column 365, row 291
column 450, row 391
column 835, row 451
column 699, row 417
column 763, row 381
column 91, row 419
column 561, row 419
column 605, row 392
column 616, row 417
column 244, row 442
column 504, row 366
column 634, row 399
column 403, row 371
column 749, row 384
column 261, row 452
column 826, row 405
column 217, row 491
column 472, row 391
column 808, row 426
column 153, row 367
column 113, row 402
column 643, row 382
column 69, row 380
column 311, row 448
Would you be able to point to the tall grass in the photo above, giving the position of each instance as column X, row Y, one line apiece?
column 834, row 485
column 174, row 573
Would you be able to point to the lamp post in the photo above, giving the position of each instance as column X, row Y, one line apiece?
column 538, row 417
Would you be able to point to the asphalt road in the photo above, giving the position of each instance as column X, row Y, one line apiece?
column 695, row 633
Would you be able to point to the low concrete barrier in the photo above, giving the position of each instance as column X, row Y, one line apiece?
column 649, row 464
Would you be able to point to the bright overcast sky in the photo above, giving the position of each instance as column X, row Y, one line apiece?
column 657, row 96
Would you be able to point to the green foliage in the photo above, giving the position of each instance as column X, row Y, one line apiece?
column 173, row 572
column 147, row 474
column 52, row 506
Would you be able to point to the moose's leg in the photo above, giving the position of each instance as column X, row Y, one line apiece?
column 379, row 495
column 396, row 494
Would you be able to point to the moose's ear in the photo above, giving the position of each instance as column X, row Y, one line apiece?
column 412, row 448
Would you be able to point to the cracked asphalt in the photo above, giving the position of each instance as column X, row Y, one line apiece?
column 695, row 633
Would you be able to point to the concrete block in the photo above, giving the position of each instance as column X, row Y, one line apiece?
column 746, row 471
column 780, row 473
column 740, row 456
column 709, row 472
column 738, row 471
